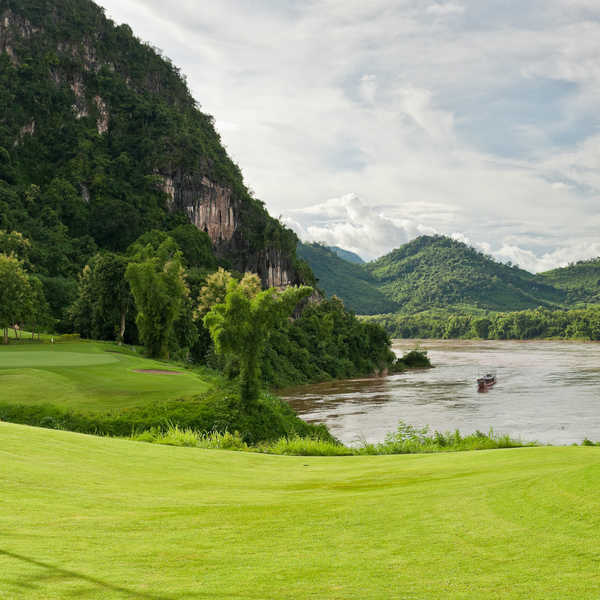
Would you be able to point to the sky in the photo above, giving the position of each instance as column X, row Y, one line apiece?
column 366, row 124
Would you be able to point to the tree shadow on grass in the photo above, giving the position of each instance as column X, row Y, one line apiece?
column 91, row 585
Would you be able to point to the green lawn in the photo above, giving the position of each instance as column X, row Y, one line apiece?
column 91, row 376
column 87, row 517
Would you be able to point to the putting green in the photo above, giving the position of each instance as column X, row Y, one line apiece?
column 48, row 358
column 90, row 376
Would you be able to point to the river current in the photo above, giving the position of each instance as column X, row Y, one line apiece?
column 546, row 391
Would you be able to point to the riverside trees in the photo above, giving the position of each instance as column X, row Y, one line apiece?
column 242, row 323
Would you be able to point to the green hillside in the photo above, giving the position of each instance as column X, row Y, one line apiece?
column 350, row 282
column 436, row 271
column 101, row 518
column 347, row 255
column 580, row 281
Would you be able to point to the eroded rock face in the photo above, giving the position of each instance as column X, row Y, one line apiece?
column 13, row 27
column 28, row 129
column 213, row 209
column 103, row 117
column 209, row 206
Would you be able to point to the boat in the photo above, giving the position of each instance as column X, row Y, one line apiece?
column 486, row 382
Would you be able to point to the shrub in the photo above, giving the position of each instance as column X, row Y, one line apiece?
column 177, row 436
column 411, row 360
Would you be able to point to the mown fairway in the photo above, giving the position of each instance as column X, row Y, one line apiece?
column 88, row 517
column 90, row 376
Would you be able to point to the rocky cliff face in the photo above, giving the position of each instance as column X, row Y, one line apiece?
column 13, row 28
column 213, row 209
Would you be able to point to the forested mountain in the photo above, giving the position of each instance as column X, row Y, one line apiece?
column 101, row 141
column 351, row 257
column 348, row 281
column 438, row 272
column 580, row 281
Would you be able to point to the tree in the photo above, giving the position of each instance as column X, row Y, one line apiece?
column 241, row 326
column 213, row 291
column 112, row 293
column 39, row 315
column 158, row 286
column 15, row 293
column 15, row 243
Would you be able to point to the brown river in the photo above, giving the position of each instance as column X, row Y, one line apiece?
column 546, row 391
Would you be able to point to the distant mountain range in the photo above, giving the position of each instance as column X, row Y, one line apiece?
column 347, row 255
column 347, row 280
column 439, row 272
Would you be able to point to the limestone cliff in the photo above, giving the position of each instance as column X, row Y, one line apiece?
column 214, row 209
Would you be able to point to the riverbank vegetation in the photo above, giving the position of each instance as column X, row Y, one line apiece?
column 405, row 440
column 539, row 323
column 109, row 518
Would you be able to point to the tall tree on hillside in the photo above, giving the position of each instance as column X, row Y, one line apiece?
column 15, row 243
column 15, row 293
column 241, row 325
column 158, row 286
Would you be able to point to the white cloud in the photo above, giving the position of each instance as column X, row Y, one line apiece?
column 469, row 117
column 350, row 223
column 447, row 8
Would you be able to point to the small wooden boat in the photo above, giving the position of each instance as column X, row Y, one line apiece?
column 486, row 382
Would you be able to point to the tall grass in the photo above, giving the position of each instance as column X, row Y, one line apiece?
column 180, row 436
column 304, row 446
column 411, row 440
column 405, row 440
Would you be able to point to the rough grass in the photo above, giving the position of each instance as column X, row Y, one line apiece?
column 99, row 518
column 405, row 440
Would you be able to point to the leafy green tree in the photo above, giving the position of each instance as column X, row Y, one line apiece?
column 113, row 298
column 213, row 291
column 15, row 243
column 15, row 293
column 195, row 245
column 157, row 281
column 242, row 324
column 82, row 310
column 39, row 315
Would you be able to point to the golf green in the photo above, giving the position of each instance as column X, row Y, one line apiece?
column 48, row 358
column 101, row 518
column 90, row 376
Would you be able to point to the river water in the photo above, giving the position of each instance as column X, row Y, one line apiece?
column 547, row 391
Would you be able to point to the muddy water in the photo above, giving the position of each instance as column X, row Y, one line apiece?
column 546, row 391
